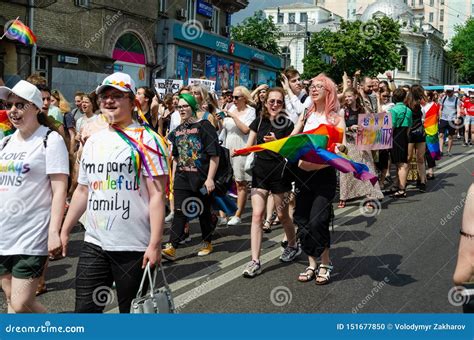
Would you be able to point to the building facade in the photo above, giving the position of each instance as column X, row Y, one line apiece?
column 444, row 15
column 79, row 42
column 297, row 21
column 424, row 58
column 193, row 42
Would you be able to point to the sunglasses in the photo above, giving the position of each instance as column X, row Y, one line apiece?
column 275, row 101
column 113, row 96
column 19, row 105
column 182, row 107
column 236, row 97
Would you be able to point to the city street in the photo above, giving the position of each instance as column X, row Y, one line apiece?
column 399, row 261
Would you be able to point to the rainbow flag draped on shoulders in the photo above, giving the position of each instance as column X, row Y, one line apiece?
column 431, row 130
column 19, row 31
column 315, row 146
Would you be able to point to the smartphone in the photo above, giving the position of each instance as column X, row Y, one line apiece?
column 221, row 114
column 203, row 191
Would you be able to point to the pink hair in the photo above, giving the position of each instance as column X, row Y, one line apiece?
column 332, row 106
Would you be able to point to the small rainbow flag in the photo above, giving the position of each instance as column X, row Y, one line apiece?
column 431, row 130
column 19, row 31
column 311, row 146
column 5, row 126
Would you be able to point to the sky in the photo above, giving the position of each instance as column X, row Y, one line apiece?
column 255, row 5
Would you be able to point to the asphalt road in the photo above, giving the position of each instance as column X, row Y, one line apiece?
column 401, row 260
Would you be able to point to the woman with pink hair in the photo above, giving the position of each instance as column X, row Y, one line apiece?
column 316, row 184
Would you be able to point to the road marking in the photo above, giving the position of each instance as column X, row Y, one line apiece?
column 208, row 285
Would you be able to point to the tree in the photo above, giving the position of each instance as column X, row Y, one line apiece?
column 372, row 47
column 462, row 51
column 259, row 32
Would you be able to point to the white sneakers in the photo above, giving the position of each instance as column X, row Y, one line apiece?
column 169, row 218
column 234, row 220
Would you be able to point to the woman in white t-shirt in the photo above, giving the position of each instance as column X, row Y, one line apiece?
column 236, row 126
column 34, row 168
column 121, row 187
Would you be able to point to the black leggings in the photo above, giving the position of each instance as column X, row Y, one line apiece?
column 188, row 205
column 313, row 211
column 98, row 269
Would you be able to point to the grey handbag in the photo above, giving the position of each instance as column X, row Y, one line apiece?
column 157, row 300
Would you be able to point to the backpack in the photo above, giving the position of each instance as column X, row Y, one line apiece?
column 224, row 174
column 455, row 102
column 7, row 139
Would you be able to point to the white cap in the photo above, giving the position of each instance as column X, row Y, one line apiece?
column 449, row 88
column 120, row 81
column 24, row 90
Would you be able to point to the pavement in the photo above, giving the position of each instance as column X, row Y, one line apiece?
column 400, row 260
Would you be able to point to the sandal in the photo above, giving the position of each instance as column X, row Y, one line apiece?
column 370, row 205
column 267, row 227
column 342, row 204
column 41, row 290
column 308, row 275
column 401, row 193
column 326, row 276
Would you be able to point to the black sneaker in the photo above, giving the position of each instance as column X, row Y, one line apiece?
column 284, row 244
column 422, row 187
column 465, row 144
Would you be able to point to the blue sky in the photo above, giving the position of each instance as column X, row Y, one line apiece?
column 255, row 5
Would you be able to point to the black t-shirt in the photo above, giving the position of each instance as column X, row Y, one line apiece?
column 281, row 127
column 69, row 123
column 417, row 116
column 351, row 117
column 193, row 146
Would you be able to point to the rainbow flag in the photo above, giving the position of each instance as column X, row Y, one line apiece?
column 5, row 126
column 431, row 131
column 19, row 31
column 311, row 146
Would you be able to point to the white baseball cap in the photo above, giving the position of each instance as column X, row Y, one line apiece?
column 120, row 81
column 449, row 88
column 24, row 90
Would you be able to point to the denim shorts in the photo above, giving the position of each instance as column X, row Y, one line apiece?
column 469, row 120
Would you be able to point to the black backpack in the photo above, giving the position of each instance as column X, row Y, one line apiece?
column 224, row 174
column 7, row 139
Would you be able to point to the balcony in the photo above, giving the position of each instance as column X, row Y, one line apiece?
column 231, row 6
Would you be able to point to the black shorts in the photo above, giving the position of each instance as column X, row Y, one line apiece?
column 447, row 125
column 22, row 266
column 417, row 137
column 270, row 175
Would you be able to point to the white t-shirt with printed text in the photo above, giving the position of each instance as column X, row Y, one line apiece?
column 117, row 207
column 25, row 191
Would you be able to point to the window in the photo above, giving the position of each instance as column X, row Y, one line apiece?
column 42, row 66
column 82, row 3
column 404, row 59
column 285, row 52
column 303, row 17
column 413, row 3
column 191, row 8
column 162, row 5
column 441, row 28
column 432, row 3
column 442, row 2
column 431, row 18
column 441, row 15
column 420, row 2
column 291, row 18
column 280, row 18
column 216, row 16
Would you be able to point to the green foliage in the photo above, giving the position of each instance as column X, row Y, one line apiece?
column 372, row 47
column 259, row 32
column 462, row 51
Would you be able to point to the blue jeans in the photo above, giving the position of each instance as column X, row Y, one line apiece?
column 98, row 269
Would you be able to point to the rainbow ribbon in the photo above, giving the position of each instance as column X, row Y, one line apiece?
column 311, row 146
column 431, row 130
column 140, row 153
column 19, row 31
column 5, row 125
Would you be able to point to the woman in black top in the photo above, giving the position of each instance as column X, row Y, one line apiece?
column 417, row 138
column 268, row 176
column 195, row 162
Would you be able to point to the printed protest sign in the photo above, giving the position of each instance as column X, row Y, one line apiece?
column 375, row 131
